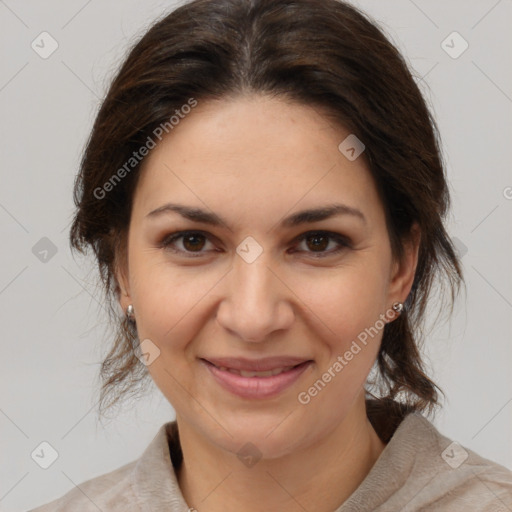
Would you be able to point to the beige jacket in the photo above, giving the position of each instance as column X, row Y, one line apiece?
column 419, row 470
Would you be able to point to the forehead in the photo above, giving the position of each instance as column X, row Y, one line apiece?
column 253, row 154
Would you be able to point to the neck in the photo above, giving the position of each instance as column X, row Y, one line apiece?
column 318, row 477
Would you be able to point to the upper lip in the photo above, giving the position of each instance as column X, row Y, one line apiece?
column 256, row 365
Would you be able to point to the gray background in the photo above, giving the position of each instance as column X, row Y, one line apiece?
column 53, row 329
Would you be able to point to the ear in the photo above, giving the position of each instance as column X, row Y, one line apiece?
column 403, row 272
column 122, row 282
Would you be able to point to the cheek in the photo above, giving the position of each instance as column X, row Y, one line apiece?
column 170, row 300
column 345, row 300
column 171, row 308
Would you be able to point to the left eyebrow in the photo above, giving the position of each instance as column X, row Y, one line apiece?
column 303, row 217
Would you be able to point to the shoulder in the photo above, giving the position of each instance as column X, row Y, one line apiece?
column 422, row 470
column 147, row 483
column 108, row 492
column 450, row 476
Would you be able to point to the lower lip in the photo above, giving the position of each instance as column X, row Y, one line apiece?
column 256, row 387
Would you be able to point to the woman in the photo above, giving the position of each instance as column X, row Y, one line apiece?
column 264, row 194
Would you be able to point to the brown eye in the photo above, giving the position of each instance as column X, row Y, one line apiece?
column 317, row 242
column 192, row 243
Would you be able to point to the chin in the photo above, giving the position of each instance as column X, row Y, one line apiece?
column 270, row 436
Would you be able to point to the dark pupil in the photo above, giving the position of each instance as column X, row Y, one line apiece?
column 194, row 239
column 316, row 244
column 194, row 245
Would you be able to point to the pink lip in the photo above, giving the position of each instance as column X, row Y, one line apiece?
column 256, row 387
column 256, row 365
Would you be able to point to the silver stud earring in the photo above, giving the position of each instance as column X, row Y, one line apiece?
column 130, row 313
column 398, row 307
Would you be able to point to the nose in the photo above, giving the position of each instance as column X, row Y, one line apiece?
column 257, row 302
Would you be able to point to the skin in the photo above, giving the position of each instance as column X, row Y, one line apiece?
column 254, row 160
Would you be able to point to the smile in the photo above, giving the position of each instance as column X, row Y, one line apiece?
column 251, row 384
column 245, row 373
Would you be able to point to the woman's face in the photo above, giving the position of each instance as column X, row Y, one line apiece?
column 249, row 287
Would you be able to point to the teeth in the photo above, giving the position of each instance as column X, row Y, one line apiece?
column 267, row 373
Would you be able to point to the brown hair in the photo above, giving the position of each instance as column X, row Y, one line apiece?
column 321, row 53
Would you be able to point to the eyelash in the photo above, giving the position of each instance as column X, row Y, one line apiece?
column 343, row 242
